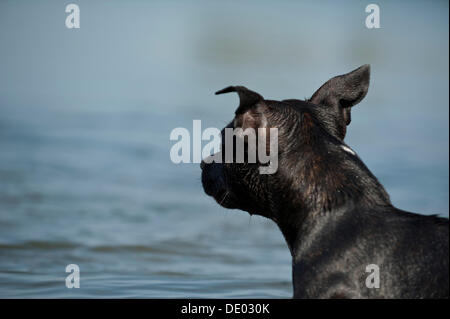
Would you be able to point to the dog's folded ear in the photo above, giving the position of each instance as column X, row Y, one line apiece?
column 247, row 98
column 250, row 113
column 344, row 91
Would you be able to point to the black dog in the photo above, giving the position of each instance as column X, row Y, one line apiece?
column 336, row 217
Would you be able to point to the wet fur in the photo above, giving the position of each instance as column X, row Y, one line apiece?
column 334, row 214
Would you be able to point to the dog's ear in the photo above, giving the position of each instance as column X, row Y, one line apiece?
column 344, row 91
column 250, row 113
column 247, row 98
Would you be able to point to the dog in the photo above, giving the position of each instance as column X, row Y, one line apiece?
column 346, row 238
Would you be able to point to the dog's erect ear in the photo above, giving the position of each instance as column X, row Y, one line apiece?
column 247, row 98
column 344, row 91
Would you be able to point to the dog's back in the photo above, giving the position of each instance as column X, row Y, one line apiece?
column 419, row 253
column 410, row 252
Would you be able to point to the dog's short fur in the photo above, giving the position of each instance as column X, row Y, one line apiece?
column 334, row 214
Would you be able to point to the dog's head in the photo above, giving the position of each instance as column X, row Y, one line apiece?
column 310, row 147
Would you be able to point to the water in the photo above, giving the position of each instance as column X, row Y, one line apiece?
column 85, row 118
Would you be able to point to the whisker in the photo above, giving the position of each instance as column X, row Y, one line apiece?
column 224, row 197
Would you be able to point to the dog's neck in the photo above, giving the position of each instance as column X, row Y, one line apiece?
column 303, row 229
column 330, row 182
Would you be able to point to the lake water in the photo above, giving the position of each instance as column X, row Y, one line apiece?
column 85, row 119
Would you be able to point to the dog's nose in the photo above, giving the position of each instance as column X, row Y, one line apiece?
column 202, row 165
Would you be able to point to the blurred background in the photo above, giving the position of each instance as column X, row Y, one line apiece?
column 85, row 118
